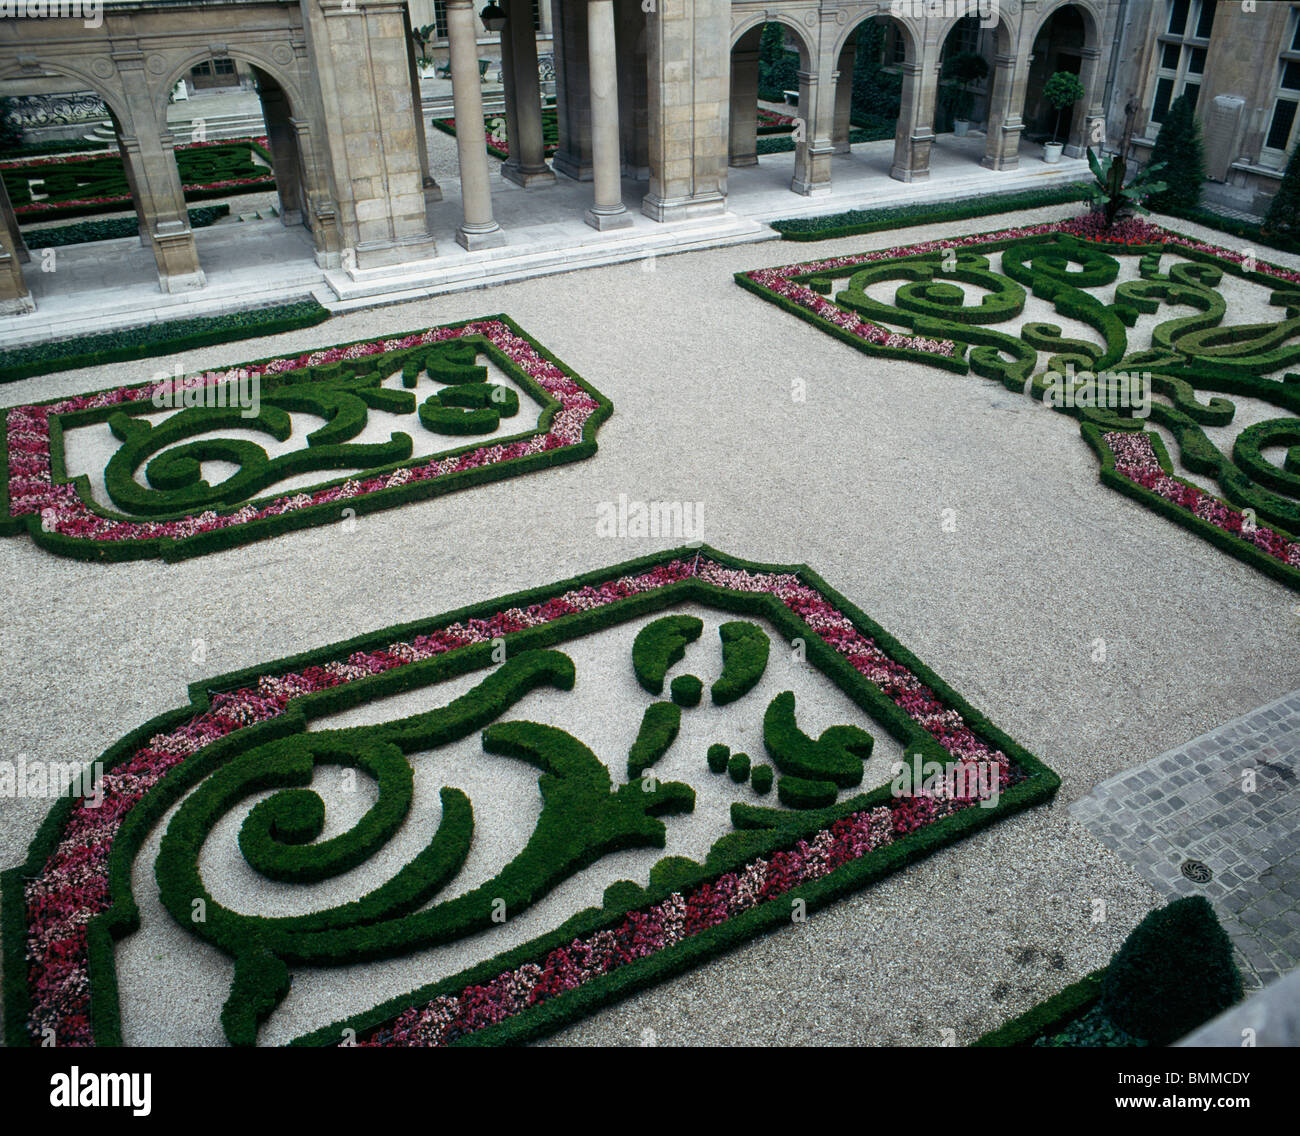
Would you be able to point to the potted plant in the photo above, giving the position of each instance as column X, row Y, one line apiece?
column 959, row 72
column 1062, row 90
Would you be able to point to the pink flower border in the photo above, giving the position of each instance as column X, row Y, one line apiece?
column 72, row 886
column 34, row 492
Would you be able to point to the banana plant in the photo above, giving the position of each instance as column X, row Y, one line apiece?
column 1109, row 191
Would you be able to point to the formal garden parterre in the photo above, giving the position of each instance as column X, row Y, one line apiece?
column 249, row 732
column 173, row 511
column 949, row 298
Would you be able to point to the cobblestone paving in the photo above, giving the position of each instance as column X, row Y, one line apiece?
column 1230, row 799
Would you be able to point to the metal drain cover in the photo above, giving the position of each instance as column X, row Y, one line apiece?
column 1197, row 871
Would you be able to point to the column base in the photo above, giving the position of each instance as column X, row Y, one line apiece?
column 605, row 220
column 528, row 179
column 1001, row 162
column 665, row 209
column 902, row 173
column 432, row 191
column 743, row 160
column 841, row 148
column 18, row 306
column 182, row 281
column 572, row 168
column 385, row 254
column 473, row 239
column 810, row 188
column 291, row 217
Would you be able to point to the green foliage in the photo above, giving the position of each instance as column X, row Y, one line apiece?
column 1180, row 153
column 718, row 756
column 1283, row 217
column 1108, row 191
column 661, row 645
column 760, row 777
column 1173, row 973
column 11, row 134
column 836, row 756
column 114, row 228
column 40, row 149
column 853, row 222
column 659, row 726
column 1048, row 1017
column 877, row 90
column 959, row 71
column 778, row 67
column 738, row 768
column 156, row 339
column 1062, row 90
column 873, row 131
column 686, row 690
column 745, row 648
column 1091, row 1030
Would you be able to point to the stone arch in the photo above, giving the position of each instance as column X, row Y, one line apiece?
column 115, row 100
column 1091, row 71
column 742, row 145
column 259, row 60
column 807, row 49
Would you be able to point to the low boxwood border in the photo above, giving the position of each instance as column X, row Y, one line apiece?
column 149, row 340
column 115, row 228
column 855, row 222
column 121, row 917
column 1048, row 1017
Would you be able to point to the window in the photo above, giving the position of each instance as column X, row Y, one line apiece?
column 1280, row 136
column 537, row 15
column 440, row 19
column 1180, row 59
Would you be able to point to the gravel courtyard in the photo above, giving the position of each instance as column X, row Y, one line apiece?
column 1007, row 602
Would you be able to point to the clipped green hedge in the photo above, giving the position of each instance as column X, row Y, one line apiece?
column 745, row 648
column 686, row 690
column 717, row 757
column 659, row 726
column 60, row 146
column 854, row 222
column 661, row 645
column 784, row 143
column 760, row 778
column 84, row 232
column 1173, row 973
column 149, row 340
column 837, row 756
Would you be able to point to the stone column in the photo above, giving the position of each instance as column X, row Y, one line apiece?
column 687, row 62
column 282, row 141
column 572, row 90
column 843, row 81
column 9, row 219
column 915, row 133
column 633, row 97
column 742, row 145
column 321, row 213
column 15, row 296
column 812, row 152
column 479, row 229
column 527, row 165
column 1002, row 148
column 432, row 192
column 163, row 213
column 608, row 210
column 1093, row 77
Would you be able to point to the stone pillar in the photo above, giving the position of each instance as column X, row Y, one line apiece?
column 132, row 187
column 527, row 165
column 572, row 90
column 432, row 192
column 9, row 220
column 479, row 229
column 544, row 10
column 359, row 54
column 282, row 141
column 688, row 64
column 1006, row 100
column 1093, row 77
column 812, row 152
column 843, row 125
column 608, row 210
column 915, row 133
column 163, row 212
column 15, row 296
column 742, row 146
column 321, row 214
column 633, row 97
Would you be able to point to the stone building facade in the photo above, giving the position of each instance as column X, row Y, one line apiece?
column 1241, row 62
column 658, row 91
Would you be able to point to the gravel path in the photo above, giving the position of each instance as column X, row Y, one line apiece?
column 1043, row 563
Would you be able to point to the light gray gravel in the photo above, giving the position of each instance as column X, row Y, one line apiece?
column 1043, row 563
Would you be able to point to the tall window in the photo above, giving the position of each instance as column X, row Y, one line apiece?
column 1180, row 54
column 1286, row 100
column 440, row 19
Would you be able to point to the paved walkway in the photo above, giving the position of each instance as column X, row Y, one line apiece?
column 1228, row 801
